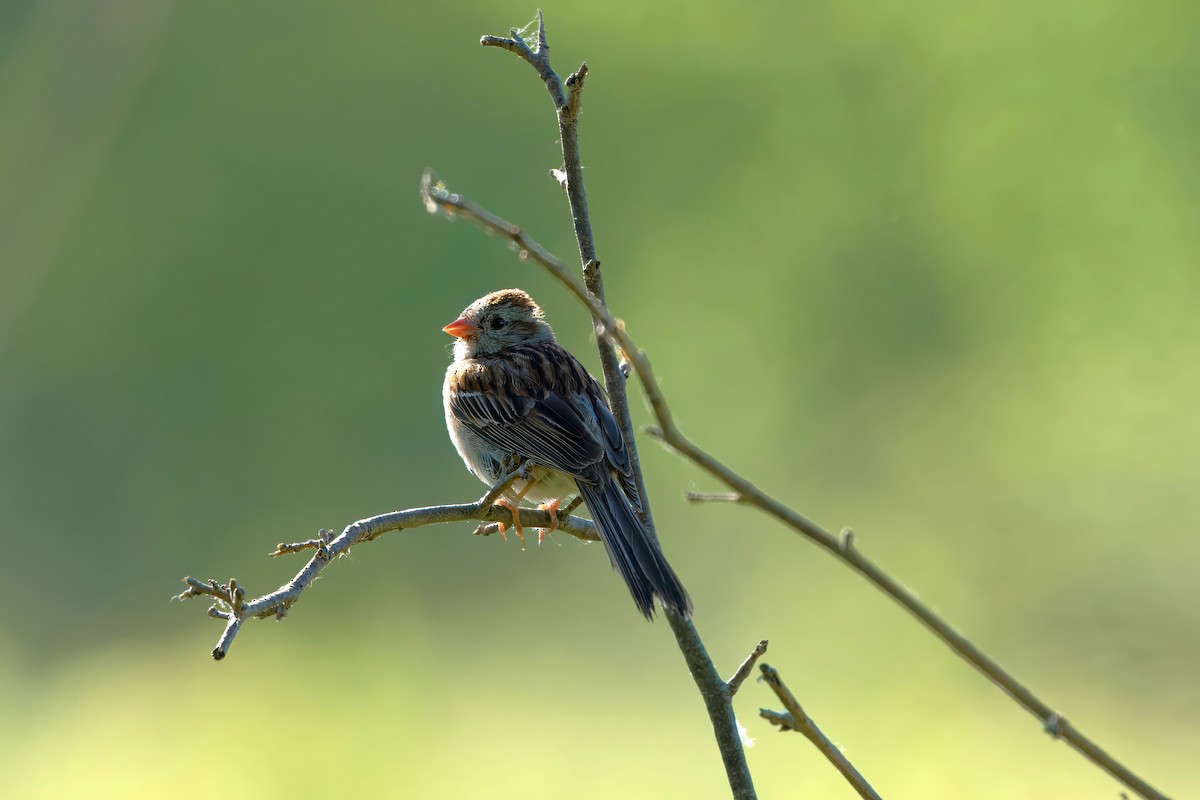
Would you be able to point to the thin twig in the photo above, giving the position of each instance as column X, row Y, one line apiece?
column 796, row 720
column 539, row 59
column 570, row 177
column 743, row 672
column 234, row 610
column 324, row 537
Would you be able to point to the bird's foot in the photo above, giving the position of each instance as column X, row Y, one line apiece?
column 516, row 521
column 552, row 508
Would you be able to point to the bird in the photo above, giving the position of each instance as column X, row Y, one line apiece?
column 517, row 399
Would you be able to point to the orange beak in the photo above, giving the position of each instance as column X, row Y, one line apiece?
column 461, row 329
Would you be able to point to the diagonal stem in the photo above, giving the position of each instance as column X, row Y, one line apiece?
column 796, row 720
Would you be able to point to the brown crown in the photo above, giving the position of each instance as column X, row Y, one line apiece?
column 512, row 297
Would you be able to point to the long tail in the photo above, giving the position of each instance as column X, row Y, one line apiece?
column 632, row 552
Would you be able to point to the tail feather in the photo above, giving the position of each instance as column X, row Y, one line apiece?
column 633, row 553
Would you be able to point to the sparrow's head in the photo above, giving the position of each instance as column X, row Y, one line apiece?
column 498, row 321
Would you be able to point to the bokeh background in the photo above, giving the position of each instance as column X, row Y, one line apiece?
column 929, row 270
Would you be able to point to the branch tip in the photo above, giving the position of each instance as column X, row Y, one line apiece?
column 576, row 78
column 538, row 56
column 541, row 33
column 781, row 720
column 575, row 92
column 743, row 671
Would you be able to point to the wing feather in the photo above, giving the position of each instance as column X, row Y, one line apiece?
column 563, row 423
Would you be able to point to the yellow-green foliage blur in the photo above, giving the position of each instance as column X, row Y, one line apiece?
column 928, row 270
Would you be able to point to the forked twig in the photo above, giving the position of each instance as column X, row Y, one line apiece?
column 232, row 607
column 796, row 720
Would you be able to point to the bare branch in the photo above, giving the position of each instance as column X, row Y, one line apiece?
column 232, row 607
column 743, row 672
column 324, row 537
column 437, row 198
column 513, row 44
column 796, row 720
column 539, row 59
column 842, row 547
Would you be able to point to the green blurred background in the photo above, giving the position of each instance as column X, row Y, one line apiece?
column 928, row 270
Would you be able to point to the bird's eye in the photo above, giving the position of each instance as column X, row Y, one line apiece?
column 497, row 323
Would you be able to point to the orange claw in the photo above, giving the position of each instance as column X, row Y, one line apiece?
column 552, row 507
column 520, row 531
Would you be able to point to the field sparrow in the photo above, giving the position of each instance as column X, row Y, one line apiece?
column 515, row 397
